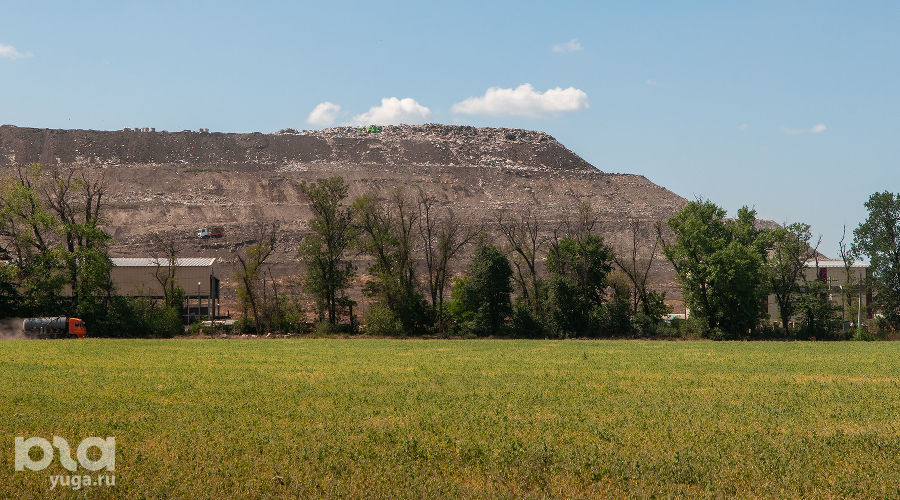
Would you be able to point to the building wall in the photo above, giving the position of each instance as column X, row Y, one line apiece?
column 835, row 277
column 141, row 281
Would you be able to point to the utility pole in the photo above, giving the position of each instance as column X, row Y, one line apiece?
column 859, row 305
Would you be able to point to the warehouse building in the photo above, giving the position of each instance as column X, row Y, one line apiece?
column 833, row 273
column 137, row 277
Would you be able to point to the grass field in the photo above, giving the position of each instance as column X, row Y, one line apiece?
column 493, row 418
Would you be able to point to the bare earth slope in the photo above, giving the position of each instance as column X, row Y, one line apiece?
column 171, row 183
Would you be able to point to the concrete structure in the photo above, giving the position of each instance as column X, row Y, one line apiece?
column 833, row 273
column 136, row 277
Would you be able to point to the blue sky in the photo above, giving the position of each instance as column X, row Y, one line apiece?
column 791, row 107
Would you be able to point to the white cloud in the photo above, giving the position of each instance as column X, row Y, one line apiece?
column 393, row 111
column 815, row 129
column 743, row 126
column 324, row 114
column 650, row 82
column 10, row 52
column 572, row 45
column 523, row 101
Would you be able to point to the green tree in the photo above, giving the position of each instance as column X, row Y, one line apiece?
column 586, row 260
column 564, row 310
column 878, row 238
column 483, row 297
column 720, row 266
column 75, row 198
column 385, row 231
column 50, row 229
column 616, row 317
column 138, row 317
column 788, row 258
column 324, row 250
column 28, row 234
column 578, row 267
column 9, row 293
column 818, row 314
column 578, row 262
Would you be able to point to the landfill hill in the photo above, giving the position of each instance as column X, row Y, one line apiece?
column 169, row 184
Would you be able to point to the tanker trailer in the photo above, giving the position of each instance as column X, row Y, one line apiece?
column 54, row 327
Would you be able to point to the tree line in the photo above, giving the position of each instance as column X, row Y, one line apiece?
column 728, row 267
column 531, row 278
column 519, row 281
column 526, row 277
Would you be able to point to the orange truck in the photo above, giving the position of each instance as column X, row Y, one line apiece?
column 54, row 327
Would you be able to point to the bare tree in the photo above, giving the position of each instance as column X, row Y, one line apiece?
column 386, row 232
column 849, row 289
column 165, row 260
column 251, row 276
column 405, row 218
column 524, row 241
column 636, row 264
column 443, row 237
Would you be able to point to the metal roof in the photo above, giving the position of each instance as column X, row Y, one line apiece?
column 834, row 263
column 153, row 261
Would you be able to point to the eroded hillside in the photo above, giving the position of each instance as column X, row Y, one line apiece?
column 171, row 183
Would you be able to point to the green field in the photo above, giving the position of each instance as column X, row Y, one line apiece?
column 488, row 418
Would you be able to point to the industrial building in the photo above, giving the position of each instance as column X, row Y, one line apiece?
column 137, row 277
column 833, row 273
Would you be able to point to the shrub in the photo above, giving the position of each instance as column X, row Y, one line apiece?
column 693, row 328
column 864, row 334
column 164, row 322
column 324, row 328
column 524, row 322
column 646, row 325
column 138, row 317
column 381, row 320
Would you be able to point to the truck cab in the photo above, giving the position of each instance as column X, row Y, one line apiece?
column 54, row 327
column 77, row 328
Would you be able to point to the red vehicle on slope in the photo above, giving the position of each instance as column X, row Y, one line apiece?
column 210, row 232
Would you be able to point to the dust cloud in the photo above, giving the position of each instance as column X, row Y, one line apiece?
column 11, row 329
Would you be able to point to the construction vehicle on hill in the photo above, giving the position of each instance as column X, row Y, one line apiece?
column 207, row 232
